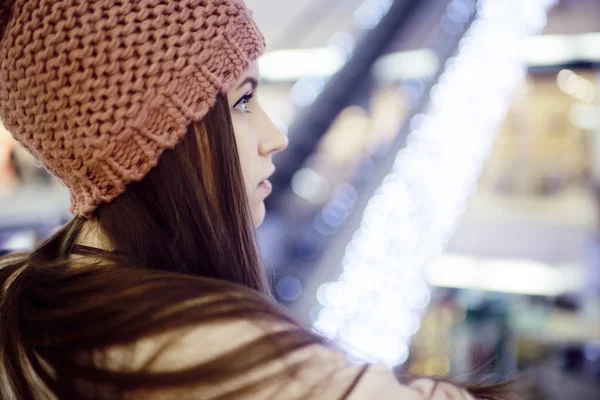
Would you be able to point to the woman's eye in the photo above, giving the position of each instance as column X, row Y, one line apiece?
column 242, row 105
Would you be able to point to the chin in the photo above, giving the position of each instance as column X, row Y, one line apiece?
column 258, row 214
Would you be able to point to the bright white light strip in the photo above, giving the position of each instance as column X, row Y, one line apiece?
column 373, row 309
column 415, row 64
column 290, row 65
column 548, row 50
column 22, row 241
column 322, row 62
column 507, row 276
column 539, row 51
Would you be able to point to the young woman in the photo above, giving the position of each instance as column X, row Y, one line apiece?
column 146, row 111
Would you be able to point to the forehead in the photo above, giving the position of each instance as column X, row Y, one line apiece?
column 251, row 72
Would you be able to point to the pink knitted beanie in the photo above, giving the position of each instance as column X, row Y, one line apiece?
column 98, row 89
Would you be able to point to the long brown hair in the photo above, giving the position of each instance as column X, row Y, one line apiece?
column 183, row 255
column 189, row 216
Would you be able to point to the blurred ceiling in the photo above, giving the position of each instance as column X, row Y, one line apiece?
column 303, row 24
column 311, row 23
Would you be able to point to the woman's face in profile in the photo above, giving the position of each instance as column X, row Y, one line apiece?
column 257, row 140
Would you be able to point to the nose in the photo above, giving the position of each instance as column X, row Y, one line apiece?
column 273, row 140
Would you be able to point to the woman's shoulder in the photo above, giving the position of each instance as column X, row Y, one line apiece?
column 311, row 372
column 266, row 357
column 207, row 337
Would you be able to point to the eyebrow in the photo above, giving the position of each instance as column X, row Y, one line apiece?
column 251, row 81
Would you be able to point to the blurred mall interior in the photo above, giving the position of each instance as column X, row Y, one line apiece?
column 437, row 207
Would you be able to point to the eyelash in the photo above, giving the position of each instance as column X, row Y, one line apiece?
column 244, row 102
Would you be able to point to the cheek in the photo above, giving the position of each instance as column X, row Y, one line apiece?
column 247, row 144
column 247, row 150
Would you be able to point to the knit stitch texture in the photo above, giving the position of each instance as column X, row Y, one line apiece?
column 98, row 89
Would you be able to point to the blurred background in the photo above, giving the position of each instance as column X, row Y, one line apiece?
column 437, row 208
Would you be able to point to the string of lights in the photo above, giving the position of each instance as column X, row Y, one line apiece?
column 374, row 307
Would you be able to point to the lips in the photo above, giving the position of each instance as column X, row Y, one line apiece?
column 266, row 186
